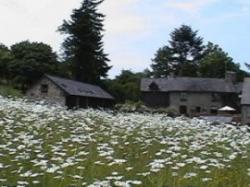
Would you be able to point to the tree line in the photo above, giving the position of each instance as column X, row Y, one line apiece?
column 84, row 59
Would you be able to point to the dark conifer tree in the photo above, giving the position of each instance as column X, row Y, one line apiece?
column 83, row 47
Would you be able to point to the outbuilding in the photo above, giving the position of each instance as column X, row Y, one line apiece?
column 70, row 93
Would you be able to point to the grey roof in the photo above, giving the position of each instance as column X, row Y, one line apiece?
column 245, row 99
column 188, row 84
column 76, row 88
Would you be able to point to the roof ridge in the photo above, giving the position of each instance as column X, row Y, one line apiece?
column 192, row 84
column 73, row 87
column 71, row 80
column 173, row 78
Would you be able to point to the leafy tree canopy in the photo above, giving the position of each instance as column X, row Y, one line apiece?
column 5, row 59
column 126, row 86
column 30, row 61
column 216, row 62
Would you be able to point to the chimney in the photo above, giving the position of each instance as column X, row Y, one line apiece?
column 171, row 75
column 230, row 76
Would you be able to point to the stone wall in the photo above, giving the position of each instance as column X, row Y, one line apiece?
column 205, row 102
column 196, row 102
column 155, row 99
column 245, row 114
column 54, row 95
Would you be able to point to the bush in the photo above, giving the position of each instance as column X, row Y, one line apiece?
column 170, row 111
column 130, row 106
column 9, row 91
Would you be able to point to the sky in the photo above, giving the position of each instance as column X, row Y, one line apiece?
column 134, row 29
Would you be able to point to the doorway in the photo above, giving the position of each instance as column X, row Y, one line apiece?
column 183, row 109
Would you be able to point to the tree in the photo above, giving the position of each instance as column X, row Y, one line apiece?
column 83, row 46
column 181, row 56
column 5, row 59
column 30, row 61
column 247, row 65
column 246, row 74
column 126, row 86
column 216, row 62
column 162, row 65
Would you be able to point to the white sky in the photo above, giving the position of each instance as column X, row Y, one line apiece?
column 135, row 29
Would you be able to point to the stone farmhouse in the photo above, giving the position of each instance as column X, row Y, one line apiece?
column 192, row 96
column 69, row 93
column 245, row 102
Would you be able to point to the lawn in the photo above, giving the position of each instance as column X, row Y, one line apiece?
column 49, row 146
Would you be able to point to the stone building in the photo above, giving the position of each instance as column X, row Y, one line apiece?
column 69, row 93
column 192, row 96
column 245, row 102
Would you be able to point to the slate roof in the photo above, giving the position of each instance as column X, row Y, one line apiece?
column 188, row 84
column 245, row 99
column 76, row 88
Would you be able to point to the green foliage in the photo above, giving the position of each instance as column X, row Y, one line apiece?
column 216, row 62
column 130, row 106
column 187, row 56
column 5, row 59
column 170, row 111
column 162, row 62
column 83, row 46
column 182, row 55
column 244, row 74
column 30, row 61
column 9, row 91
column 64, row 69
column 125, row 86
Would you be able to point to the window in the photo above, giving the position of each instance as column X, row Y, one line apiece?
column 154, row 87
column 44, row 88
column 213, row 111
column 198, row 109
column 215, row 97
column 183, row 97
column 183, row 109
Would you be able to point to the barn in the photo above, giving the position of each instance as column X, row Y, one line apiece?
column 70, row 93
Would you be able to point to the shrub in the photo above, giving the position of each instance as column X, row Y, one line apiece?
column 9, row 91
column 130, row 106
column 139, row 107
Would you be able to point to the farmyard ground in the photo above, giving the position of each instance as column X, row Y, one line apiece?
column 50, row 146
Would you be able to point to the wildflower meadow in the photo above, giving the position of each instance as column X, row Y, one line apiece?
column 49, row 146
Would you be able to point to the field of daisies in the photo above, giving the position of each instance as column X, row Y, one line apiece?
column 49, row 146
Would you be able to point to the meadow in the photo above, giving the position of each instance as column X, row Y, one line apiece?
column 48, row 146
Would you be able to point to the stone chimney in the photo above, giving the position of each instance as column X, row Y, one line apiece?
column 171, row 75
column 230, row 76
